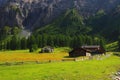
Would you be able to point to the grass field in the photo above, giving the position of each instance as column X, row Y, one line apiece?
column 82, row 70
column 24, row 55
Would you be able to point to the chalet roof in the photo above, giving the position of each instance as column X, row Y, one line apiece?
column 92, row 46
column 48, row 47
column 77, row 49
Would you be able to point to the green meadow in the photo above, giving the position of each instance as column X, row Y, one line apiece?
column 82, row 70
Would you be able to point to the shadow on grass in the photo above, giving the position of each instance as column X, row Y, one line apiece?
column 69, row 57
column 116, row 54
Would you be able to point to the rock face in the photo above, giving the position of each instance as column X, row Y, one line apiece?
column 36, row 13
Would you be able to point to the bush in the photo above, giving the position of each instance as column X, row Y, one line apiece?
column 33, row 48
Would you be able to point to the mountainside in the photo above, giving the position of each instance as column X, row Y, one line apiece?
column 107, row 25
column 70, row 23
column 36, row 13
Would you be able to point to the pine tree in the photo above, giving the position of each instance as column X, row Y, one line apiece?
column 15, row 30
column 56, row 41
column 102, row 43
column 18, row 43
column 8, row 45
column 44, row 40
column 74, row 42
column 39, row 41
column 23, row 43
column 32, row 45
column 6, row 30
column 79, row 38
column 13, row 43
column 89, row 40
column 50, row 41
column 67, row 41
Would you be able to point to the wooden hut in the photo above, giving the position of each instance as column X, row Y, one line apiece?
column 86, row 51
column 77, row 52
column 47, row 49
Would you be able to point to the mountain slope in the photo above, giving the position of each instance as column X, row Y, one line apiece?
column 70, row 23
column 107, row 25
column 36, row 13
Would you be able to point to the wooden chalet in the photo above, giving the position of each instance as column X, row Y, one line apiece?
column 86, row 51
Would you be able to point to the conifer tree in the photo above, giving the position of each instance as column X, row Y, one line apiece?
column 39, row 41
column 102, row 43
column 13, row 43
column 23, row 43
column 50, row 41
column 44, row 40
column 32, row 45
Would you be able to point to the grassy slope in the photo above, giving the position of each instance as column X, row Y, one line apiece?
column 112, row 46
column 86, row 70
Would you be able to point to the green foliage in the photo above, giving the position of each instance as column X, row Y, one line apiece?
column 39, row 41
column 15, row 30
column 33, row 48
column 100, row 13
column 70, row 23
column 102, row 43
column 15, row 43
column 44, row 40
column 6, row 30
column 32, row 45
column 23, row 43
column 50, row 41
column 107, row 25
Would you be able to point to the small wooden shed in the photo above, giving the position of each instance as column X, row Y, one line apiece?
column 47, row 49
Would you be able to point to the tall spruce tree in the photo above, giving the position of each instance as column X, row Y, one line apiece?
column 32, row 45
column 39, row 41
column 13, row 43
column 23, row 43
column 102, row 43
column 44, row 40
column 50, row 41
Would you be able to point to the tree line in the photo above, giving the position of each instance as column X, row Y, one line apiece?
column 38, row 41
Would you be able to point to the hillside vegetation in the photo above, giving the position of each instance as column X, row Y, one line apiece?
column 70, row 23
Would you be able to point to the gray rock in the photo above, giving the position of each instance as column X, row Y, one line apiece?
column 36, row 13
column 116, row 76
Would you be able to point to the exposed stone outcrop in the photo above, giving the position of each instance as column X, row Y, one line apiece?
column 36, row 13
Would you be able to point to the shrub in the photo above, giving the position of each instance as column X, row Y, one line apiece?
column 33, row 48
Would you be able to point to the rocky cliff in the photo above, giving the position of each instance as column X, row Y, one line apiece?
column 36, row 13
